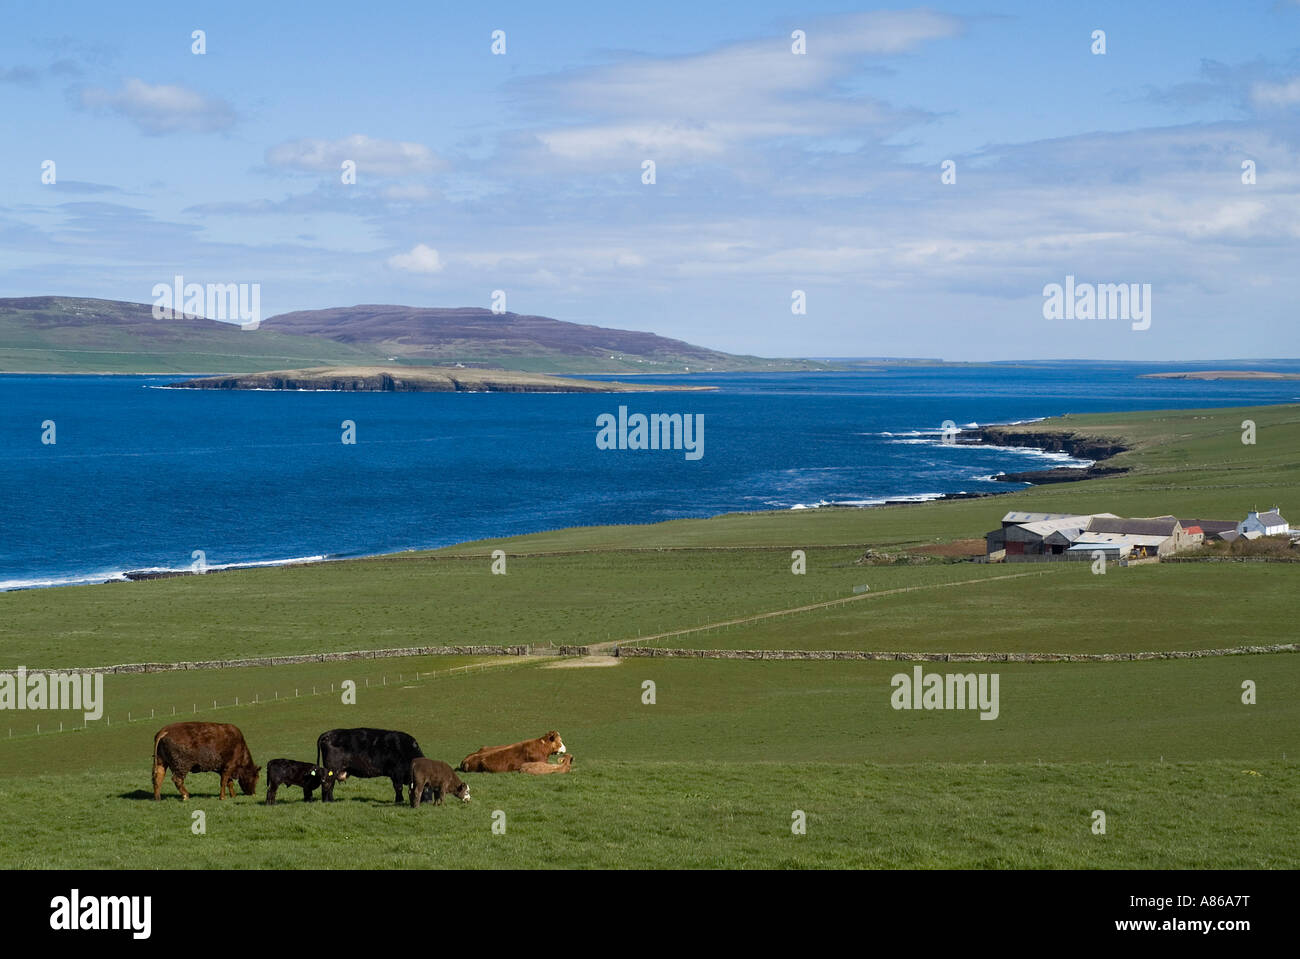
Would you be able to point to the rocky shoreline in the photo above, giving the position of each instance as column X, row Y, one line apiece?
column 1072, row 444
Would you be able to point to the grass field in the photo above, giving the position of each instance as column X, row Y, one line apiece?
column 711, row 773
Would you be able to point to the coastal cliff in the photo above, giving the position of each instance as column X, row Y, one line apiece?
column 375, row 379
column 1078, row 445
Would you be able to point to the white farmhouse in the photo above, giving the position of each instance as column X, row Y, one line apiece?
column 1258, row 524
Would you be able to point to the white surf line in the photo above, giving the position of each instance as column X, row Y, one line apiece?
column 804, row 609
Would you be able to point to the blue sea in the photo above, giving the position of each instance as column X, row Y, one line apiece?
column 141, row 477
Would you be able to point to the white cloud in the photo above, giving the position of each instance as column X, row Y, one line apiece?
column 161, row 108
column 407, row 193
column 377, row 157
column 421, row 259
column 1276, row 94
column 706, row 104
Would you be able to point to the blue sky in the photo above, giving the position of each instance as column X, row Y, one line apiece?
column 774, row 171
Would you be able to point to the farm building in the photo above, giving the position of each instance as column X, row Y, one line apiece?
column 1258, row 524
column 1211, row 528
column 1127, row 545
column 1158, row 536
column 1037, row 534
column 1030, row 537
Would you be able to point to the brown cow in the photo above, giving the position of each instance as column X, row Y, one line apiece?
column 543, row 769
column 203, row 748
column 508, row 759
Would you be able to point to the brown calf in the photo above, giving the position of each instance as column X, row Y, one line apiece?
column 544, row 768
column 439, row 778
column 508, row 759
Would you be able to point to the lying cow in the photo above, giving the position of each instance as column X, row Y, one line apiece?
column 545, row 768
column 203, row 748
column 430, row 777
column 507, row 759
column 291, row 772
column 367, row 754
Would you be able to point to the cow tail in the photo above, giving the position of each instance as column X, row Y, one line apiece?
column 156, row 740
column 319, row 753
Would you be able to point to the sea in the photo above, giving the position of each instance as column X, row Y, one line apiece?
column 143, row 478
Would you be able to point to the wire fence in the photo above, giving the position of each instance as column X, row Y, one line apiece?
column 173, row 713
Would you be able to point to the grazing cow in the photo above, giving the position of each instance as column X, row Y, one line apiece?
column 368, row 754
column 203, row 748
column 507, row 759
column 435, row 777
column 545, row 768
column 290, row 772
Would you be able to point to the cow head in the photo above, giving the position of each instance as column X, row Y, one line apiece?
column 248, row 779
column 461, row 792
column 552, row 739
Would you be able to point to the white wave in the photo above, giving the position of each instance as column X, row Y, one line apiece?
column 905, row 498
column 120, row 576
column 7, row 585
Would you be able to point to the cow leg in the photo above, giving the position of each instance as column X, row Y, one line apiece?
column 179, row 780
column 306, row 793
column 270, row 793
column 225, row 782
column 397, row 787
column 417, row 788
column 159, row 774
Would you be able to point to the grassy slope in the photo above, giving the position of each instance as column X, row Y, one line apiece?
column 710, row 774
column 108, row 336
column 139, row 348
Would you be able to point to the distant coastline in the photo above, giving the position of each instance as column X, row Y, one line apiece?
column 395, row 379
column 1221, row 375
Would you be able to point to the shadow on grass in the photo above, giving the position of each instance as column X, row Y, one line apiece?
column 146, row 794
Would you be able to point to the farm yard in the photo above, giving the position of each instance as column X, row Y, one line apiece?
column 713, row 771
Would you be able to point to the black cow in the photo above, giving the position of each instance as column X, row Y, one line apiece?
column 290, row 772
column 368, row 754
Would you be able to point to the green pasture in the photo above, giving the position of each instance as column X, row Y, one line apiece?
column 711, row 774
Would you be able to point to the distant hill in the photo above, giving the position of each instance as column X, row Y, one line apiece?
column 64, row 334
column 60, row 334
column 479, row 337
